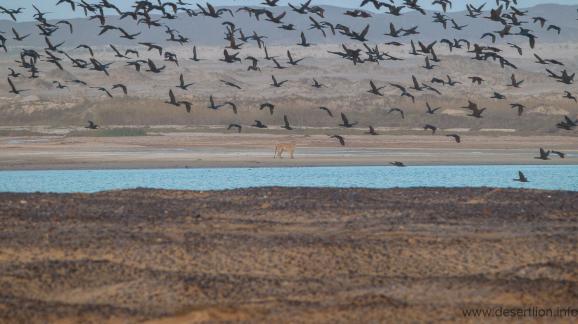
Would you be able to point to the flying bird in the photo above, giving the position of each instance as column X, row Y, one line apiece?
column 182, row 84
column 514, row 83
column 103, row 90
column 555, row 28
column 286, row 125
column 59, row 85
column 304, row 42
column 397, row 164
column 498, row 96
column 214, row 106
column 430, row 127
column 230, row 84
column 544, row 155
column 456, row 137
column 346, row 122
column 398, row 110
column 172, row 99
column 560, row 154
column 476, row 79
column 237, row 126
column 122, row 87
column 269, row 106
column 259, row 124
column 327, row 110
column 91, row 125
column 568, row 95
column 195, row 58
column 404, row 91
column 431, row 110
column 291, row 60
column 87, row 47
column 521, row 177
column 339, row 138
column 17, row 36
column 371, row 131
column 13, row 88
column 374, row 89
column 316, row 84
column 475, row 111
column 13, row 74
column 276, row 83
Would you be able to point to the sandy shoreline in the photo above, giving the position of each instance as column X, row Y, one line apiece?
column 151, row 165
column 254, row 150
column 285, row 255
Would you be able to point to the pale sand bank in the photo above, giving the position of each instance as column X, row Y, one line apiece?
column 179, row 150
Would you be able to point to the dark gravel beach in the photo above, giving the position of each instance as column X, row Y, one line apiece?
column 285, row 255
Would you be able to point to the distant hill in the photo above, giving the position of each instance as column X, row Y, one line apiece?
column 209, row 31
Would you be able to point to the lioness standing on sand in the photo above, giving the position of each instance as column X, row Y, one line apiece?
column 282, row 147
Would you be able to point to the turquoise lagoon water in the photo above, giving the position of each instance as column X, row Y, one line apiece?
column 541, row 177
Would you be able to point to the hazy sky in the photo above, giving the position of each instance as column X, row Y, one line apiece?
column 64, row 11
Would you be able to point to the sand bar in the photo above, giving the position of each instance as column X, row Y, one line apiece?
column 179, row 150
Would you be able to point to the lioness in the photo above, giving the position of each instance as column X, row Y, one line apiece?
column 282, row 147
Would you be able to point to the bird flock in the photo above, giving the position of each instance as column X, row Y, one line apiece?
column 517, row 27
